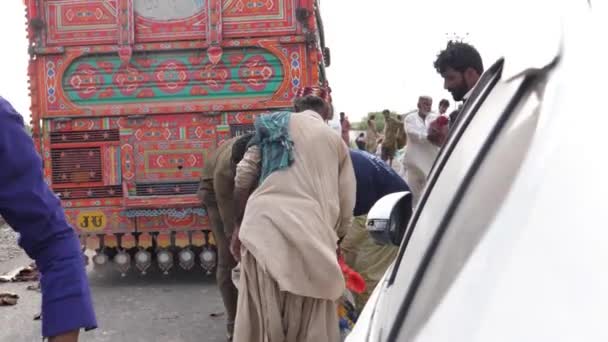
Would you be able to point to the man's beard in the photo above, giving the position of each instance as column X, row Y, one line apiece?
column 459, row 93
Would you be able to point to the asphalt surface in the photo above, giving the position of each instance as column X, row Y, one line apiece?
column 180, row 307
column 8, row 243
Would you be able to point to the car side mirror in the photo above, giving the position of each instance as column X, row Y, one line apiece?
column 388, row 218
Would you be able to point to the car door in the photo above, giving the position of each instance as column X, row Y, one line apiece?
column 503, row 265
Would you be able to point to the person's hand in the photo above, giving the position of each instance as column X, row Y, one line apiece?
column 235, row 244
column 71, row 336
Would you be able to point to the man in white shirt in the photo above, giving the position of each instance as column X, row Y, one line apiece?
column 421, row 151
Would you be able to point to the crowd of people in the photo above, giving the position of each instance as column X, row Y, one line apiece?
column 414, row 138
column 301, row 194
column 287, row 205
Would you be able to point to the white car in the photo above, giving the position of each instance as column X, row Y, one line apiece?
column 510, row 239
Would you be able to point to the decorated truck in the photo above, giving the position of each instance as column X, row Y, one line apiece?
column 131, row 97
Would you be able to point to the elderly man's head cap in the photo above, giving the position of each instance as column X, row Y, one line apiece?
column 321, row 92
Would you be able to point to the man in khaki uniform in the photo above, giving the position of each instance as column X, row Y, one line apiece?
column 371, row 136
column 392, row 127
column 216, row 193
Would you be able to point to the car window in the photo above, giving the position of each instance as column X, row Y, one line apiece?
column 455, row 160
column 477, row 208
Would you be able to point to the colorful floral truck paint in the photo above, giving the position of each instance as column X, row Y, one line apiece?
column 130, row 97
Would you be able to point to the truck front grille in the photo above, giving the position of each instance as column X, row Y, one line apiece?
column 111, row 191
column 76, row 165
column 166, row 189
column 85, row 136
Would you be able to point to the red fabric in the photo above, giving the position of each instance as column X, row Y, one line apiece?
column 439, row 129
column 442, row 120
column 354, row 281
column 324, row 93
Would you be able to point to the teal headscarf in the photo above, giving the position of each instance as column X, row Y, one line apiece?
column 276, row 146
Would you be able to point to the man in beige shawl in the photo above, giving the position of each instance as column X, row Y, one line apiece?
column 290, row 278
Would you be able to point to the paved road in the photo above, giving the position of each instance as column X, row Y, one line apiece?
column 8, row 243
column 174, row 308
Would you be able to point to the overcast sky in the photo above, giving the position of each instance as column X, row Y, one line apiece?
column 382, row 50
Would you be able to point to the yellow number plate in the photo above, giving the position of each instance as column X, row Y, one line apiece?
column 92, row 221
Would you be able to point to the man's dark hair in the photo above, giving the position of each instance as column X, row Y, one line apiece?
column 239, row 147
column 386, row 111
column 459, row 56
column 309, row 102
column 444, row 102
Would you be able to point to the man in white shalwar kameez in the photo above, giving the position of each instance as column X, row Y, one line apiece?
column 421, row 152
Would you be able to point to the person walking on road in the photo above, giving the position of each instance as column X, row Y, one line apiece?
column 391, row 132
column 31, row 208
